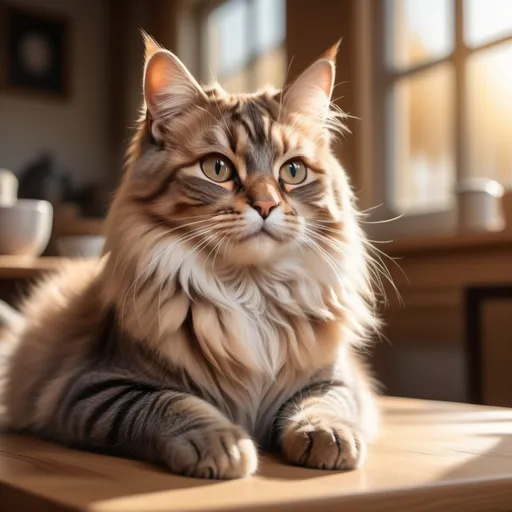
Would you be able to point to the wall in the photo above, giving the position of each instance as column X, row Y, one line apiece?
column 76, row 128
column 126, row 60
column 311, row 28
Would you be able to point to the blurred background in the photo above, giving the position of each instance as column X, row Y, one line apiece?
column 428, row 86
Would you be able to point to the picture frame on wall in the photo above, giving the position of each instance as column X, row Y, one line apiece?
column 34, row 52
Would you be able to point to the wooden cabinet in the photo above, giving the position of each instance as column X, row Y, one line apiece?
column 426, row 354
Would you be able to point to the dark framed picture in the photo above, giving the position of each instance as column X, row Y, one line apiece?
column 34, row 52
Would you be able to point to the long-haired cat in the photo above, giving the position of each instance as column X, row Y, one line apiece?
column 233, row 295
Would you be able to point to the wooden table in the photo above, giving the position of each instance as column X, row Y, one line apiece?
column 431, row 456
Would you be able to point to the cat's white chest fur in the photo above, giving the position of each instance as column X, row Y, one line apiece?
column 254, row 320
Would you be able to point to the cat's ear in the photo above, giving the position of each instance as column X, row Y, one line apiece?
column 169, row 88
column 310, row 94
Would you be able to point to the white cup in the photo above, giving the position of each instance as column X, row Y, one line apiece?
column 480, row 205
column 8, row 188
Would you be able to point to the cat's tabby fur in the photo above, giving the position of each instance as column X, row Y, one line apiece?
column 206, row 331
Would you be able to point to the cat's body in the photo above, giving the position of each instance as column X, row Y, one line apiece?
column 196, row 332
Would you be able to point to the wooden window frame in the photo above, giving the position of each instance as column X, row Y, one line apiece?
column 193, row 18
column 370, row 17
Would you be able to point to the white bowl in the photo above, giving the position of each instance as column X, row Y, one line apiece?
column 80, row 246
column 25, row 227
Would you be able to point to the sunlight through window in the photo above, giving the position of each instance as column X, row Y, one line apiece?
column 244, row 44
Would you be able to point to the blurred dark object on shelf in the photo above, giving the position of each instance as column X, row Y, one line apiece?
column 44, row 179
column 93, row 200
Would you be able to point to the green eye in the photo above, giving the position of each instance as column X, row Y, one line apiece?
column 293, row 172
column 217, row 168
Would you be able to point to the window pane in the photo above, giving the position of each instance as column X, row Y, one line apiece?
column 418, row 31
column 421, row 142
column 485, row 20
column 244, row 44
column 270, row 24
column 227, row 41
column 270, row 68
column 490, row 113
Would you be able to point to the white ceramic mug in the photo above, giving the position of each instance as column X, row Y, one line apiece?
column 480, row 205
column 8, row 188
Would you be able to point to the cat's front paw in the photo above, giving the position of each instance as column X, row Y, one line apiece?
column 216, row 453
column 323, row 444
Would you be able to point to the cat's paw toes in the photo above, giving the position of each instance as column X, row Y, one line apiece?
column 216, row 453
column 323, row 445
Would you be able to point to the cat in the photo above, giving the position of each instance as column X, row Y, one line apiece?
column 228, row 310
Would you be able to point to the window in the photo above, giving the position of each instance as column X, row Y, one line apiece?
column 243, row 46
column 446, row 98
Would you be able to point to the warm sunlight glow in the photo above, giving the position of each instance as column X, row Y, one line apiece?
column 244, row 44
column 490, row 113
column 486, row 20
column 418, row 31
column 423, row 146
column 422, row 113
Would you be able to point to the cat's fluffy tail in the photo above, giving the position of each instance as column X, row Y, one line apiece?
column 11, row 323
column 10, row 317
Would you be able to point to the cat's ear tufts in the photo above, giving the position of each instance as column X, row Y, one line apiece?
column 310, row 94
column 150, row 45
column 169, row 88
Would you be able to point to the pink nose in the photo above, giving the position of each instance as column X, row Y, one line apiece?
column 265, row 207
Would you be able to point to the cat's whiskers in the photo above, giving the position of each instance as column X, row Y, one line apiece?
column 203, row 244
column 212, row 250
column 231, row 237
column 335, row 245
column 376, row 268
column 325, row 255
column 375, row 265
column 167, row 221
column 206, row 111
column 384, row 270
column 155, row 236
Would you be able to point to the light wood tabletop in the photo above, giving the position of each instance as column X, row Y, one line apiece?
column 430, row 456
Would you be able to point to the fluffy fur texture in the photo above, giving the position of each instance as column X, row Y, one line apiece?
column 223, row 316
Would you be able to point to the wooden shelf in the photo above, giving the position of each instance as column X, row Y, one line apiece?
column 455, row 242
column 23, row 267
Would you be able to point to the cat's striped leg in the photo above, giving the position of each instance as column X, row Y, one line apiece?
column 181, row 431
column 320, row 427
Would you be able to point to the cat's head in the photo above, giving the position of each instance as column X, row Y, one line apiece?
column 245, row 178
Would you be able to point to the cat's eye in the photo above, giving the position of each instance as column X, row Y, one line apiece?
column 293, row 172
column 217, row 168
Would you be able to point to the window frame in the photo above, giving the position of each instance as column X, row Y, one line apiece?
column 193, row 19
column 383, row 78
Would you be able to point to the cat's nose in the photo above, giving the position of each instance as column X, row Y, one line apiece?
column 265, row 207
column 263, row 195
